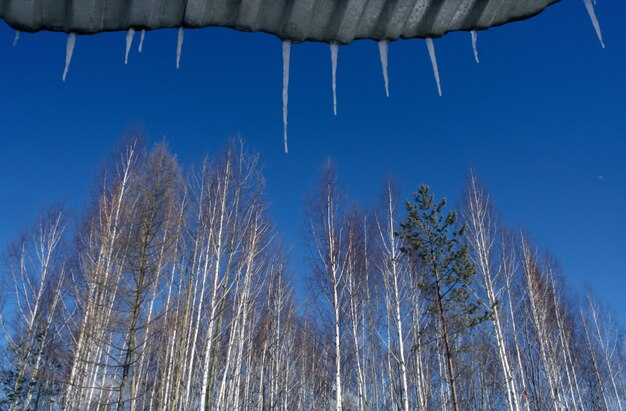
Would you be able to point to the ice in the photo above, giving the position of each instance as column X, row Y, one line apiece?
column 17, row 38
column 433, row 60
column 179, row 47
column 334, row 50
column 129, row 42
column 475, row 45
column 143, row 36
column 69, row 51
column 383, row 48
column 286, row 58
column 594, row 20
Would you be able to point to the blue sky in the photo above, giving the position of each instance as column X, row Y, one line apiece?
column 540, row 120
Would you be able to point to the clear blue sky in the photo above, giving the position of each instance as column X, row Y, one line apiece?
column 539, row 119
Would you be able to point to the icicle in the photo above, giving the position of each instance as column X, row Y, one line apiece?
column 334, row 50
column 143, row 36
column 129, row 42
column 17, row 38
column 475, row 45
column 594, row 20
column 433, row 60
column 286, row 59
column 69, row 51
column 179, row 47
column 383, row 48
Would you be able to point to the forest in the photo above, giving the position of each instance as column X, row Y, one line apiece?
column 173, row 291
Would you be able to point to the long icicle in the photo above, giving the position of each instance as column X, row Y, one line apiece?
column 433, row 60
column 383, row 48
column 141, row 39
column 69, row 52
column 334, row 51
column 17, row 38
column 594, row 20
column 475, row 45
column 129, row 42
column 179, row 46
column 286, row 59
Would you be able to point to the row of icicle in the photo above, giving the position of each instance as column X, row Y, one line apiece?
column 383, row 46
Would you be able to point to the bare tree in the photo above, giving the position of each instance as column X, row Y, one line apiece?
column 482, row 236
column 38, row 269
column 604, row 344
column 396, row 279
column 324, row 229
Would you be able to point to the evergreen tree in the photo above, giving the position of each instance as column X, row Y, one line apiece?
column 438, row 248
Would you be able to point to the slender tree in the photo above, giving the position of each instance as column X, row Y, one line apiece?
column 39, row 270
column 481, row 236
column 440, row 250
column 395, row 273
column 324, row 221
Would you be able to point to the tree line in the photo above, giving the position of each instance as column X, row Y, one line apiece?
column 172, row 292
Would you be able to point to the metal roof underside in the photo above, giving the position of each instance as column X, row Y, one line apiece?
column 340, row 21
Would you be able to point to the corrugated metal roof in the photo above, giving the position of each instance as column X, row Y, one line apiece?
column 338, row 21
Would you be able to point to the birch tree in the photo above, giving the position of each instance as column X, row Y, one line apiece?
column 394, row 271
column 482, row 236
column 324, row 230
column 38, row 269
